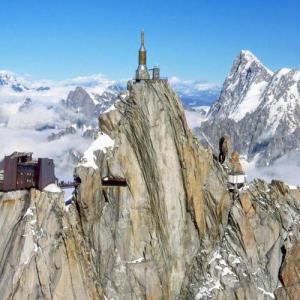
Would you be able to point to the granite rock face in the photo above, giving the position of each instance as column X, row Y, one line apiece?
column 42, row 251
column 174, row 232
column 89, row 105
column 146, row 235
column 255, row 259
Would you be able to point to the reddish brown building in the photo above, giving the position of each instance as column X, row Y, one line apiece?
column 19, row 171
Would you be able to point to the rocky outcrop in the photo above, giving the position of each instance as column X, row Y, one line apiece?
column 251, row 260
column 79, row 100
column 174, row 232
column 42, row 251
column 56, row 136
column 90, row 104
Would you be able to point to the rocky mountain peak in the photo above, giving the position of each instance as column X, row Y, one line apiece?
column 159, row 219
column 90, row 104
column 259, row 109
column 7, row 77
column 242, row 88
column 80, row 102
column 246, row 64
column 78, row 97
column 247, row 59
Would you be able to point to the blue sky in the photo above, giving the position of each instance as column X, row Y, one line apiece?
column 197, row 40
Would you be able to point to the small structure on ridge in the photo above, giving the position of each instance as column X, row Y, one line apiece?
column 19, row 171
column 142, row 72
column 231, row 162
column 236, row 176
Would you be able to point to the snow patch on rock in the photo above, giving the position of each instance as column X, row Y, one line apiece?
column 139, row 260
column 52, row 188
column 103, row 143
column 265, row 293
column 207, row 289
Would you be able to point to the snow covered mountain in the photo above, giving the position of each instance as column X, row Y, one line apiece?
column 259, row 109
column 243, row 88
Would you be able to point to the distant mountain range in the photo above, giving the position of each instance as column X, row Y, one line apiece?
column 194, row 94
column 259, row 109
column 79, row 101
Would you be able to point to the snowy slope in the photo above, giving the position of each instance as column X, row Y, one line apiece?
column 243, row 88
column 282, row 100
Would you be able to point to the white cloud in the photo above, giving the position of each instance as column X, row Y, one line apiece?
column 30, row 140
column 176, row 80
column 34, row 117
column 195, row 118
column 192, row 87
column 286, row 168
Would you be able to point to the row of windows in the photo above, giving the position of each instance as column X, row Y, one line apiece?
column 23, row 181
column 26, row 174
